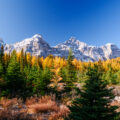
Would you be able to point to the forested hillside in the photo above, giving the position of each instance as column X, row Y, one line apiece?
column 23, row 76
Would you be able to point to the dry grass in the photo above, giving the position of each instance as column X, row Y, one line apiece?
column 11, row 110
column 30, row 101
column 43, row 108
column 60, row 114
column 7, row 103
column 48, row 106
column 14, row 115
column 43, row 104
column 45, row 99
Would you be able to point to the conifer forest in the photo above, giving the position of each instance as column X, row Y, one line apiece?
column 55, row 88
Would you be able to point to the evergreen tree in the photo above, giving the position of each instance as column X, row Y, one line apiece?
column 94, row 101
column 22, row 60
column 28, row 80
column 2, row 72
column 32, row 74
column 42, row 81
column 81, row 77
column 6, row 60
column 15, row 79
column 25, row 59
column 37, row 80
column 1, row 53
column 117, row 76
column 110, row 76
column 70, row 72
column 2, row 82
column 1, row 69
column 1, row 58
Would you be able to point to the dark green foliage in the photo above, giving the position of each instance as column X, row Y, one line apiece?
column 14, row 77
column 94, row 100
column 1, row 58
column 42, row 81
column 1, row 53
column 23, row 76
column 37, row 80
column 81, row 77
column 1, row 69
column 117, row 76
column 2, row 72
column 110, row 76
column 69, row 72
column 22, row 61
column 29, row 77
column 20, row 78
column 4, row 93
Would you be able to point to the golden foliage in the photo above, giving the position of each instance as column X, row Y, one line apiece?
column 58, row 62
column 56, row 80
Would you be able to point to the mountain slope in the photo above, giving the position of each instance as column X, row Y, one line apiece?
column 35, row 45
column 85, row 52
column 38, row 47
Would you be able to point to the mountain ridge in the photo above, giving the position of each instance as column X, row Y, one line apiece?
column 37, row 46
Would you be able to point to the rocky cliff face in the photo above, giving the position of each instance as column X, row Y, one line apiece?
column 38, row 47
column 35, row 45
column 85, row 52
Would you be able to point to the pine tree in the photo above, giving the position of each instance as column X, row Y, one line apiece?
column 6, row 60
column 1, row 53
column 70, row 72
column 2, row 82
column 2, row 58
column 110, row 76
column 28, row 80
column 41, row 81
column 94, row 101
column 37, row 80
column 1, row 69
column 22, row 60
column 32, row 74
column 15, row 79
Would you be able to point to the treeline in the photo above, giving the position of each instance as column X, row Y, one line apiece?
column 25, row 75
column 83, row 83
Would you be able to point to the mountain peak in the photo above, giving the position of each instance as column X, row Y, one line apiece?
column 109, row 44
column 38, row 47
column 34, row 45
column 74, row 42
column 37, row 36
column 72, row 39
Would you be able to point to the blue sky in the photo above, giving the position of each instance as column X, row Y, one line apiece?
column 95, row 22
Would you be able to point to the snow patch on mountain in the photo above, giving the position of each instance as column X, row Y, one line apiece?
column 35, row 45
column 38, row 47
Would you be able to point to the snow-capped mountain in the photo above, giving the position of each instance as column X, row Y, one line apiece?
column 35, row 45
column 38, row 47
column 85, row 52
